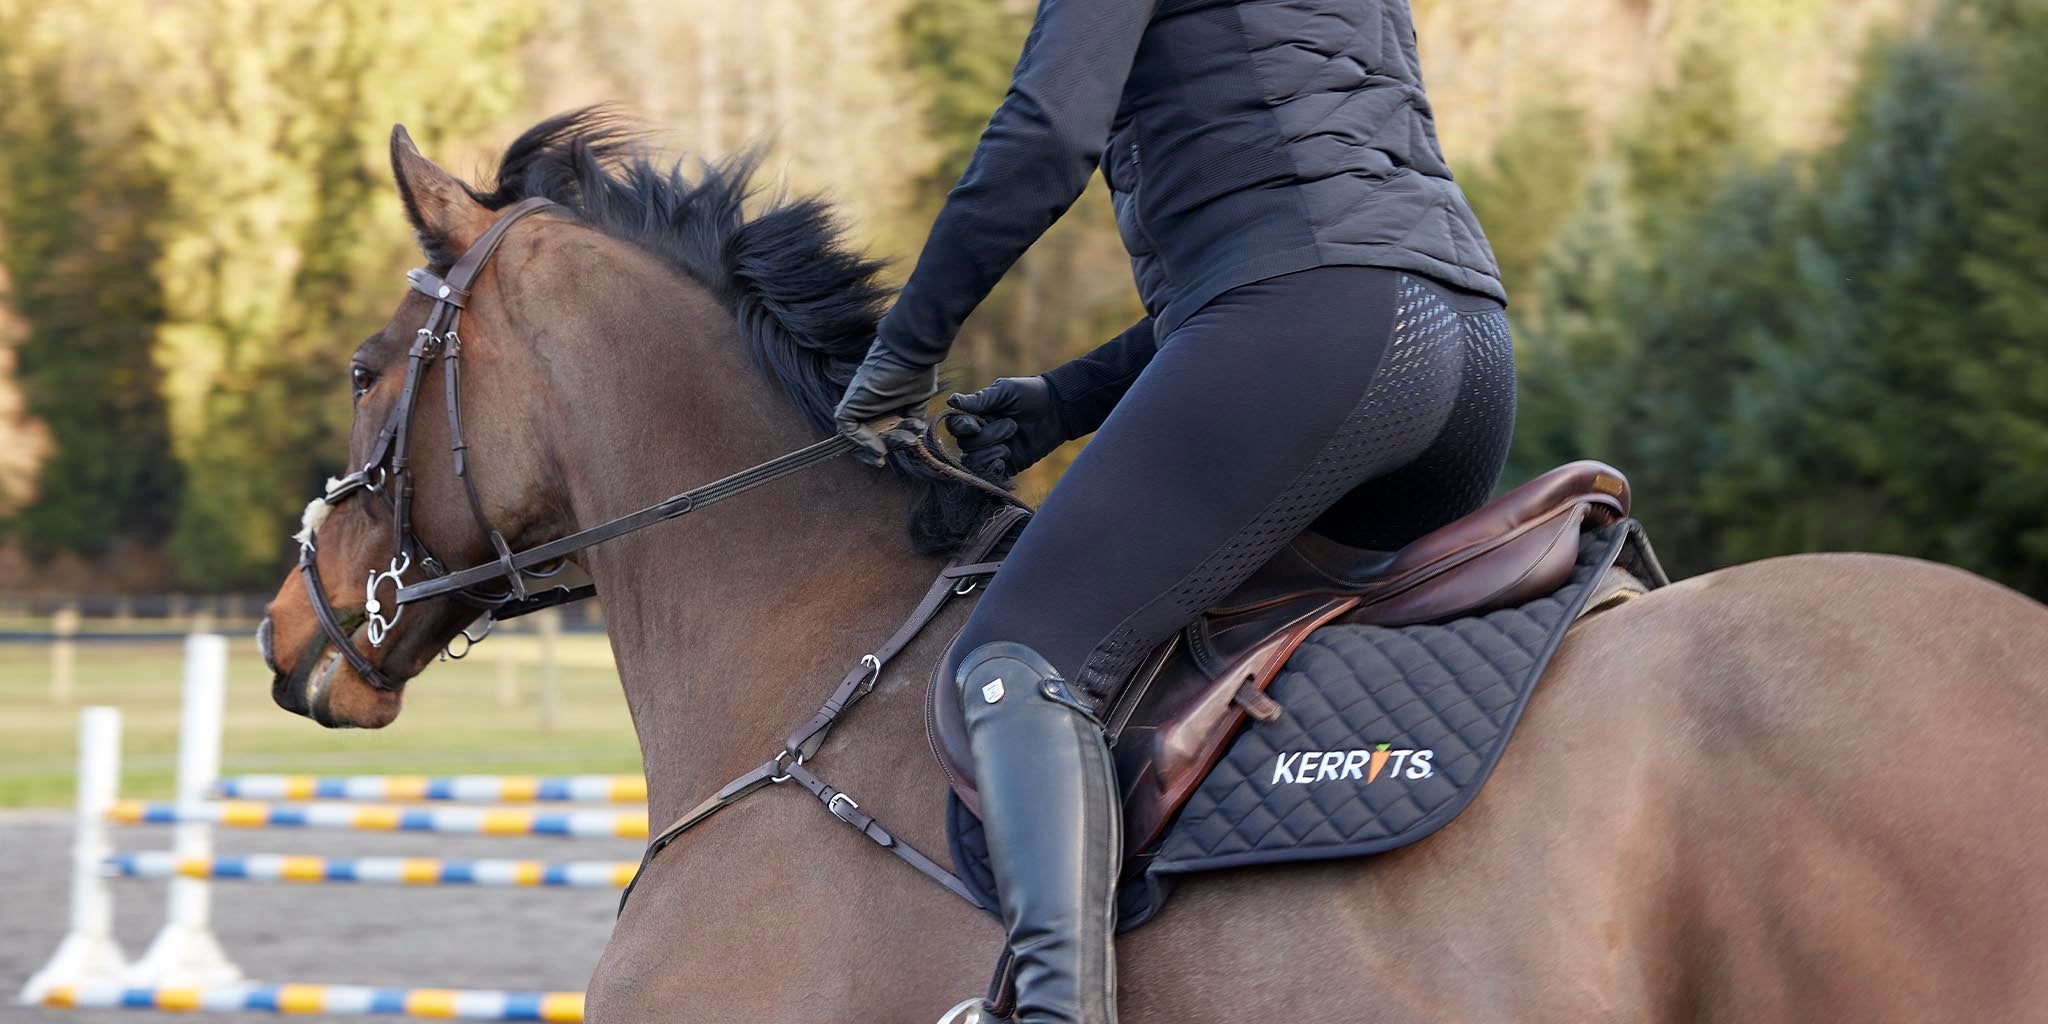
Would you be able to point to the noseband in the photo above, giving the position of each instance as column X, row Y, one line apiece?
column 497, row 588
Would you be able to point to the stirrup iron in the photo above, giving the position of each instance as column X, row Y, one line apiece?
column 969, row 1012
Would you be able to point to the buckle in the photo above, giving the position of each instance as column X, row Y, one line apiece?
column 851, row 804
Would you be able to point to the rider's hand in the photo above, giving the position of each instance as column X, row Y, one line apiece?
column 1009, row 425
column 882, row 402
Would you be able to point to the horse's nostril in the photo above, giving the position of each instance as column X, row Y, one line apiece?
column 263, row 643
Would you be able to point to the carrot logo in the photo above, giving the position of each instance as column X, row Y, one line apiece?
column 1367, row 766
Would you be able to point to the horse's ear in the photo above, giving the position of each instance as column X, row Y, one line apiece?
column 444, row 213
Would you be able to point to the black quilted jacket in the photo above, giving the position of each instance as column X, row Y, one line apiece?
column 1242, row 139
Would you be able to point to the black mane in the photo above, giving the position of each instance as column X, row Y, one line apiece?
column 806, row 301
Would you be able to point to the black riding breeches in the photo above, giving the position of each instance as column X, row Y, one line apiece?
column 1373, row 404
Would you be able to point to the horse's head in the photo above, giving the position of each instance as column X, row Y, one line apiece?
column 403, row 514
column 629, row 266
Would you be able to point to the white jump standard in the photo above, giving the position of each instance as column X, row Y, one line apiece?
column 88, row 951
column 185, row 952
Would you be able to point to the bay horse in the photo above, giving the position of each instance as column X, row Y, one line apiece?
column 1803, row 789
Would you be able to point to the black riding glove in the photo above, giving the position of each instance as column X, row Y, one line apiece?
column 882, row 403
column 1009, row 425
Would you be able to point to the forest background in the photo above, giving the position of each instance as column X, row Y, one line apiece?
column 1784, row 261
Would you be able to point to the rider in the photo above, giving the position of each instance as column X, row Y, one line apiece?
column 1326, row 345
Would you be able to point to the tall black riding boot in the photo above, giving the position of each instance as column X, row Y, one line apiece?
column 1049, row 808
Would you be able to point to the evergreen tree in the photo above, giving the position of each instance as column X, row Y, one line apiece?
column 1528, row 190
column 76, row 207
column 281, row 245
column 1627, row 354
column 1847, row 436
column 1845, row 352
column 2004, row 390
column 961, row 52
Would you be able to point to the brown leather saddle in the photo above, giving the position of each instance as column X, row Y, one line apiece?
column 1181, row 708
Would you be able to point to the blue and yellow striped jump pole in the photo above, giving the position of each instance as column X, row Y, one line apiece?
column 384, row 818
column 331, row 1000
column 574, row 874
column 484, row 789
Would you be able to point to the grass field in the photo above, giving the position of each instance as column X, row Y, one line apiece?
column 457, row 718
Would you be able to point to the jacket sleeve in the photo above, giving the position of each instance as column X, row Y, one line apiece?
column 1033, row 161
column 1085, row 389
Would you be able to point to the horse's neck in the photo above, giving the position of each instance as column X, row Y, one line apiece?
column 730, row 625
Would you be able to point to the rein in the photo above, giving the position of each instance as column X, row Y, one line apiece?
column 661, row 511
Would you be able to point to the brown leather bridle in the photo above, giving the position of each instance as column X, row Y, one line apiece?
column 497, row 588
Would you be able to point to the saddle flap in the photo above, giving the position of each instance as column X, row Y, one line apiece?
column 1185, row 713
column 945, row 728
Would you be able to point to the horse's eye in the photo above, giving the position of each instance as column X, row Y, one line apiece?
column 360, row 378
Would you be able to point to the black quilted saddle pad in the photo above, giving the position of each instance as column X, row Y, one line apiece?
column 1386, row 734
